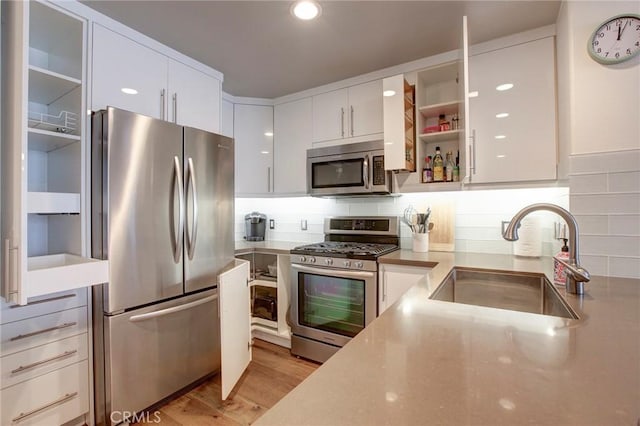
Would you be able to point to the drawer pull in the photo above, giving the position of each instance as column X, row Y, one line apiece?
column 44, row 361
column 58, row 401
column 51, row 299
column 46, row 330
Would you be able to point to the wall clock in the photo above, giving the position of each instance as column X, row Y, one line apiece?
column 616, row 40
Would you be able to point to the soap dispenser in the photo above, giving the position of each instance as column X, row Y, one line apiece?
column 559, row 278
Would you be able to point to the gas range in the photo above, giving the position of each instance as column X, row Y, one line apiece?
column 334, row 283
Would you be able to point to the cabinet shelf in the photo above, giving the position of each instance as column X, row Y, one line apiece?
column 46, row 140
column 46, row 86
column 264, row 325
column 445, row 108
column 439, row 136
column 53, row 203
column 58, row 272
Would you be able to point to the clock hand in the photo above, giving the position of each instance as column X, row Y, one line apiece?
column 619, row 32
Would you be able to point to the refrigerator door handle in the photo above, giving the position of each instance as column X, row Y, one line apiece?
column 173, row 309
column 191, row 184
column 179, row 235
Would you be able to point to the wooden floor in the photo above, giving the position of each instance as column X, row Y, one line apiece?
column 272, row 374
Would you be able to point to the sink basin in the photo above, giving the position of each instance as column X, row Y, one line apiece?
column 514, row 291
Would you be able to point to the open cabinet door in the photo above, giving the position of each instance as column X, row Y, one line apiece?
column 235, row 324
column 467, row 141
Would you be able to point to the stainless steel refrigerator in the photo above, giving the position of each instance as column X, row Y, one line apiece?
column 162, row 214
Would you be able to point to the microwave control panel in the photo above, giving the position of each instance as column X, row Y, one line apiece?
column 379, row 174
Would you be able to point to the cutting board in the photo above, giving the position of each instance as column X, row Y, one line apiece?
column 443, row 217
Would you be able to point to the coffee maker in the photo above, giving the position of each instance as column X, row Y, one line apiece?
column 255, row 225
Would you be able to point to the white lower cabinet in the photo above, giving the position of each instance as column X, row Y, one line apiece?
column 44, row 365
column 235, row 324
column 395, row 280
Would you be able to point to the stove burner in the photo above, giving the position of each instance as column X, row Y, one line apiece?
column 345, row 249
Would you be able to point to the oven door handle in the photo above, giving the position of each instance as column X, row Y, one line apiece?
column 334, row 272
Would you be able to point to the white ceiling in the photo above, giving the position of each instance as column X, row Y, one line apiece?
column 265, row 52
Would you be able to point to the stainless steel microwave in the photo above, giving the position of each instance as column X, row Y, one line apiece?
column 353, row 169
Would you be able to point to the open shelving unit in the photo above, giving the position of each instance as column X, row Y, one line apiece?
column 51, row 184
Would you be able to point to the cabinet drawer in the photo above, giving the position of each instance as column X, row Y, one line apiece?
column 50, row 399
column 25, row 365
column 28, row 333
column 43, row 305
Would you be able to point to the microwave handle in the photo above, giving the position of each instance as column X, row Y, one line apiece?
column 365, row 171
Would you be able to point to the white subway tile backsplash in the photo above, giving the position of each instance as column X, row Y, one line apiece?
column 593, row 224
column 626, row 267
column 586, row 204
column 624, row 224
column 478, row 215
column 588, row 184
column 596, row 265
column 624, row 182
column 607, row 245
column 605, row 162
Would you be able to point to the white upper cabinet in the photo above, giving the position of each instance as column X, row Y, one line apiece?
column 399, row 124
column 348, row 113
column 514, row 131
column 253, row 134
column 194, row 98
column 133, row 77
column 330, row 116
column 121, row 65
column 292, row 138
column 226, row 118
column 365, row 109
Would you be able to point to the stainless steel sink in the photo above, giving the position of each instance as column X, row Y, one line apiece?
column 504, row 290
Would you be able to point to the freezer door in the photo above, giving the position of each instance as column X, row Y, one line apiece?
column 155, row 351
column 142, row 208
column 209, row 201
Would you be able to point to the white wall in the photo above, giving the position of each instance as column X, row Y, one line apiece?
column 478, row 215
column 599, row 104
column 599, row 116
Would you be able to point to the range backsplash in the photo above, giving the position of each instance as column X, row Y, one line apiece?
column 478, row 216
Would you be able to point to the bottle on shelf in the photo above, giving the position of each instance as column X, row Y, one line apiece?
column 449, row 167
column 427, row 173
column 454, row 122
column 438, row 167
column 456, row 169
column 443, row 123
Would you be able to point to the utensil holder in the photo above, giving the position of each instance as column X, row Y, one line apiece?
column 421, row 242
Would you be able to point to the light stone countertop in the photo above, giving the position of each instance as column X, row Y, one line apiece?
column 275, row 247
column 430, row 362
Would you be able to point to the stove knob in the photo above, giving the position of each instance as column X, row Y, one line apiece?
column 347, row 263
column 328, row 261
column 312, row 260
column 303, row 259
column 358, row 265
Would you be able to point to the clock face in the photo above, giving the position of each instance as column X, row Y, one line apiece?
column 616, row 40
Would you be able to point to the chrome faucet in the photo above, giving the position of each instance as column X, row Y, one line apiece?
column 576, row 274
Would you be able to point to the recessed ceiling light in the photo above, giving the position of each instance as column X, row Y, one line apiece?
column 129, row 91
column 388, row 93
column 473, row 94
column 503, row 87
column 502, row 115
column 306, row 9
column 500, row 136
column 268, row 133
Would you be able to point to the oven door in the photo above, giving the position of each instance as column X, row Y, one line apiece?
column 331, row 305
column 349, row 173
